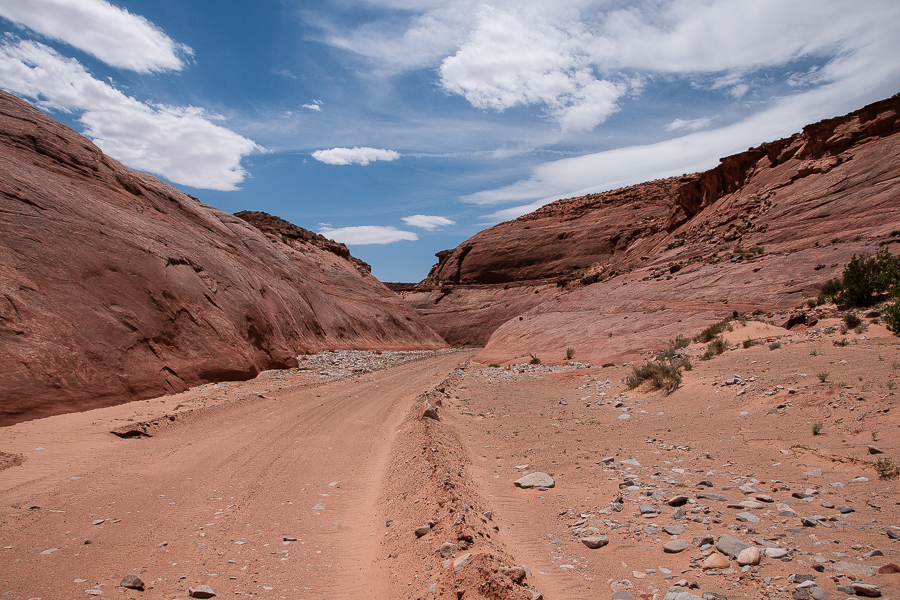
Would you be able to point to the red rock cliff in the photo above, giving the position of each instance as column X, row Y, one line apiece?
column 828, row 191
column 116, row 286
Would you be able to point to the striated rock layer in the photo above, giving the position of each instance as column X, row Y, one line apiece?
column 614, row 274
column 116, row 286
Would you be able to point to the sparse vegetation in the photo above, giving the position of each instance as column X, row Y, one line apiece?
column 662, row 376
column 814, row 353
column 680, row 342
column 891, row 314
column 817, row 428
column 841, row 342
column 749, row 343
column 886, row 468
column 852, row 320
column 823, row 376
column 534, row 360
column 570, row 353
column 494, row 365
column 775, row 345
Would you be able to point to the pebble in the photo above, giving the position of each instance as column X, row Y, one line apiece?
column 677, row 500
column 132, row 582
column 535, row 480
column 749, row 556
column 775, row 552
column 201, row 591
column 746, row 517
column 730, row 545
column 865, row 589
column 674, row 529
column 448, row 549
column 675, row 546
column 461, row 562
column 595, row 541
column 422, row 530
column 716, row 561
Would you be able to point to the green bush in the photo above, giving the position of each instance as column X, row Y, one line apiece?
column 891, row 315
column 680, row 342
column 867, row 279
column 534, row 360
column 775, row 345
column 661, row 376
column 570, row 353
column 852, row 320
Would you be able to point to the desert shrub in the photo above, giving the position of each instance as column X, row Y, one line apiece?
column 817, row 428
column 660, row 375
column 811, row 303
column 570, row 353
column 852, row 320
column 748, row 343
column 718, row 345
column 708, row 354
column 823, row 376
column 841, row 342
column 867, row 278
column 710, row 332
column 830, row 288
column 680, row 342
column 534, row 360
column 494, row 365
column 886, row 468
column 891, row 315
column 775, row 345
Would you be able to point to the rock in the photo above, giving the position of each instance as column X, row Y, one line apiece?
column 751, row 504
column 621, row 595
column 132, row 582
column 201, row 591
column 889, row 569
column 133, row 289
column 746, row 517
column 715, row 561
column 817, row 593
column 595, row 541
column 516, row 574
column 749, row 556
column 775, row 552
column 677, row 500
column 730, row 545
column 874, row 450
column 461, row 562
column 674, row 529
column 807, row 522
column 813, row 473
column 430, row 413
column 716, row 497
column 422, row 530
column 681, row 596
column 853, row 569
column 713, row 596
column 865, row 589
column 535, row 480
column 675, row 546
column 648, row 510
column 448, row 549
column 764, row 497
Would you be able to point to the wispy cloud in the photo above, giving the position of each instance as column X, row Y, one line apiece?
column 315, row 105
column 182, row 144
column 356, row 155
column 366, row 234
column 428, row 222
column 112, row 34
column 689, row 124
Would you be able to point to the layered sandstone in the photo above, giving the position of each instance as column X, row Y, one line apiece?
column 632, row 267
column 116, row 286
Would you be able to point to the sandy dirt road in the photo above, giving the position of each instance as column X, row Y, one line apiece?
column 269, row 496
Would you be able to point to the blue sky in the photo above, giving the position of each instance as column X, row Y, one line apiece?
column 403, row 127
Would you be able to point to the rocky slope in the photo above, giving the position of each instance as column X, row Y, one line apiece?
column 613, row 274
column 116, row 286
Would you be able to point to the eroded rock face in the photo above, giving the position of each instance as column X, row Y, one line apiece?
column 116, row 286
column 613, row 275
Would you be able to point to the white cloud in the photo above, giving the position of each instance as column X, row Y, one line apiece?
column 513, row 59
column 355, row 155
column 180, row 143
column 428, row 222
column 366, row 234
column 690, row 125
column 112, row 34
column 313, row 106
